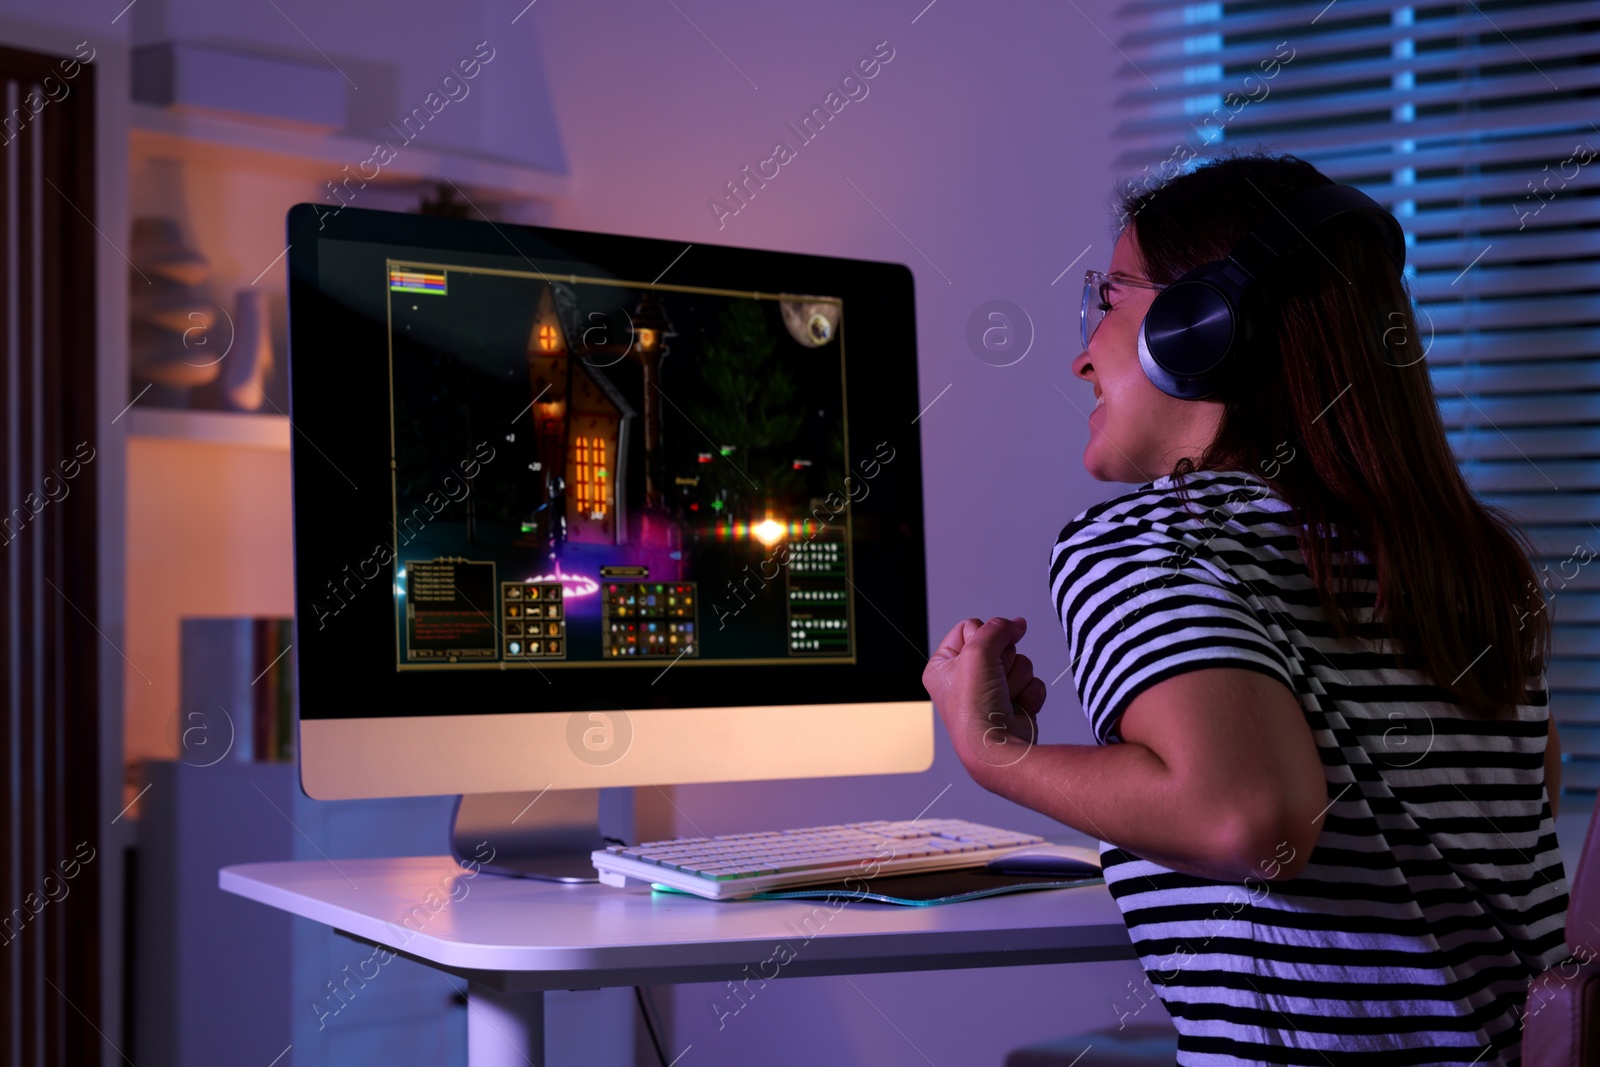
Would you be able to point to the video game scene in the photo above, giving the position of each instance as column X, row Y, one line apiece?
column 590, row 471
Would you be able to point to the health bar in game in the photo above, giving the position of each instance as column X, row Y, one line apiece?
column 402, row 280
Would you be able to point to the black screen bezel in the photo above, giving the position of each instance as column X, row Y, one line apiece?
column 341, row 486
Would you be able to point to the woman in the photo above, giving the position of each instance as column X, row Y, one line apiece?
column 1313, row 663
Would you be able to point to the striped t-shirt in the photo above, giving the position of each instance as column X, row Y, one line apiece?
column 1435, row 891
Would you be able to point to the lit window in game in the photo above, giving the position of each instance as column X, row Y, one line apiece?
column 533, row 622
column 547, row 338
column 591, row 471
column 648, row 619
column 585, row 477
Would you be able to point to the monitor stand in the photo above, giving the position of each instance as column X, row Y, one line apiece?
column 546, row 835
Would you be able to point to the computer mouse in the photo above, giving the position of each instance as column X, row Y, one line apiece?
column 1048, row 859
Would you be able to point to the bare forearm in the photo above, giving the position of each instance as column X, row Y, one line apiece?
column 1124, row 794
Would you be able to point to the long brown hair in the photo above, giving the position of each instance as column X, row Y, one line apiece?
column 1342, row 381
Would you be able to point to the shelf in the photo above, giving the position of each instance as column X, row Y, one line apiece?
column 482, row 173
column 216, row 427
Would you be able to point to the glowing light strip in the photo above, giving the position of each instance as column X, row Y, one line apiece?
column 743, row 530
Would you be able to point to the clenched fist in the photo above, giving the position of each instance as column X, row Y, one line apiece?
column 986, row 692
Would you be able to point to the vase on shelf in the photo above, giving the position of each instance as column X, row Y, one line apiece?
column 170, row 321
column 249, row 360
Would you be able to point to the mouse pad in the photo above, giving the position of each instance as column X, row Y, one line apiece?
column 928, row 888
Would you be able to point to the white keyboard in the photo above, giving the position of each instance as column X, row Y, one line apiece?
column 734, row 866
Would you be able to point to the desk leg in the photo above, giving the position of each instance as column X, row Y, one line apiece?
column 504, row 1029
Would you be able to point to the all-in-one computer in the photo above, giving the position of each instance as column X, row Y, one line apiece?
column 577, row 510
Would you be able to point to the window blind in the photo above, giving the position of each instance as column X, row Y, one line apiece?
column 1475, row 123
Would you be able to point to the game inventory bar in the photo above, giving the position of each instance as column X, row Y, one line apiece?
column 648, row 619
column 533, row 623
column 818, row 597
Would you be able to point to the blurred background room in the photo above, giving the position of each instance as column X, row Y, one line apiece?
column 149, row 152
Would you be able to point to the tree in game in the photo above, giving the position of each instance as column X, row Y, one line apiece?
column 750, row 410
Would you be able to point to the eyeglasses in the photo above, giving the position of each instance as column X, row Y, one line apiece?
column 1096, row 302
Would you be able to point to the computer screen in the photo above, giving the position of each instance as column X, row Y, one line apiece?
column 542, row 471
column 656, row 486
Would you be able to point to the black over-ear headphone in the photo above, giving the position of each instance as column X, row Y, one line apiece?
column 1200, row 328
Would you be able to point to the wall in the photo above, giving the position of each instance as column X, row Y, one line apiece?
column 176, row 567
column 980, row 158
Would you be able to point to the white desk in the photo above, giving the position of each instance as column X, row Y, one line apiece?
column 513, row 939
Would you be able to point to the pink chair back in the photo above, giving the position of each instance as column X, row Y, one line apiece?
column 1561, row 1027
